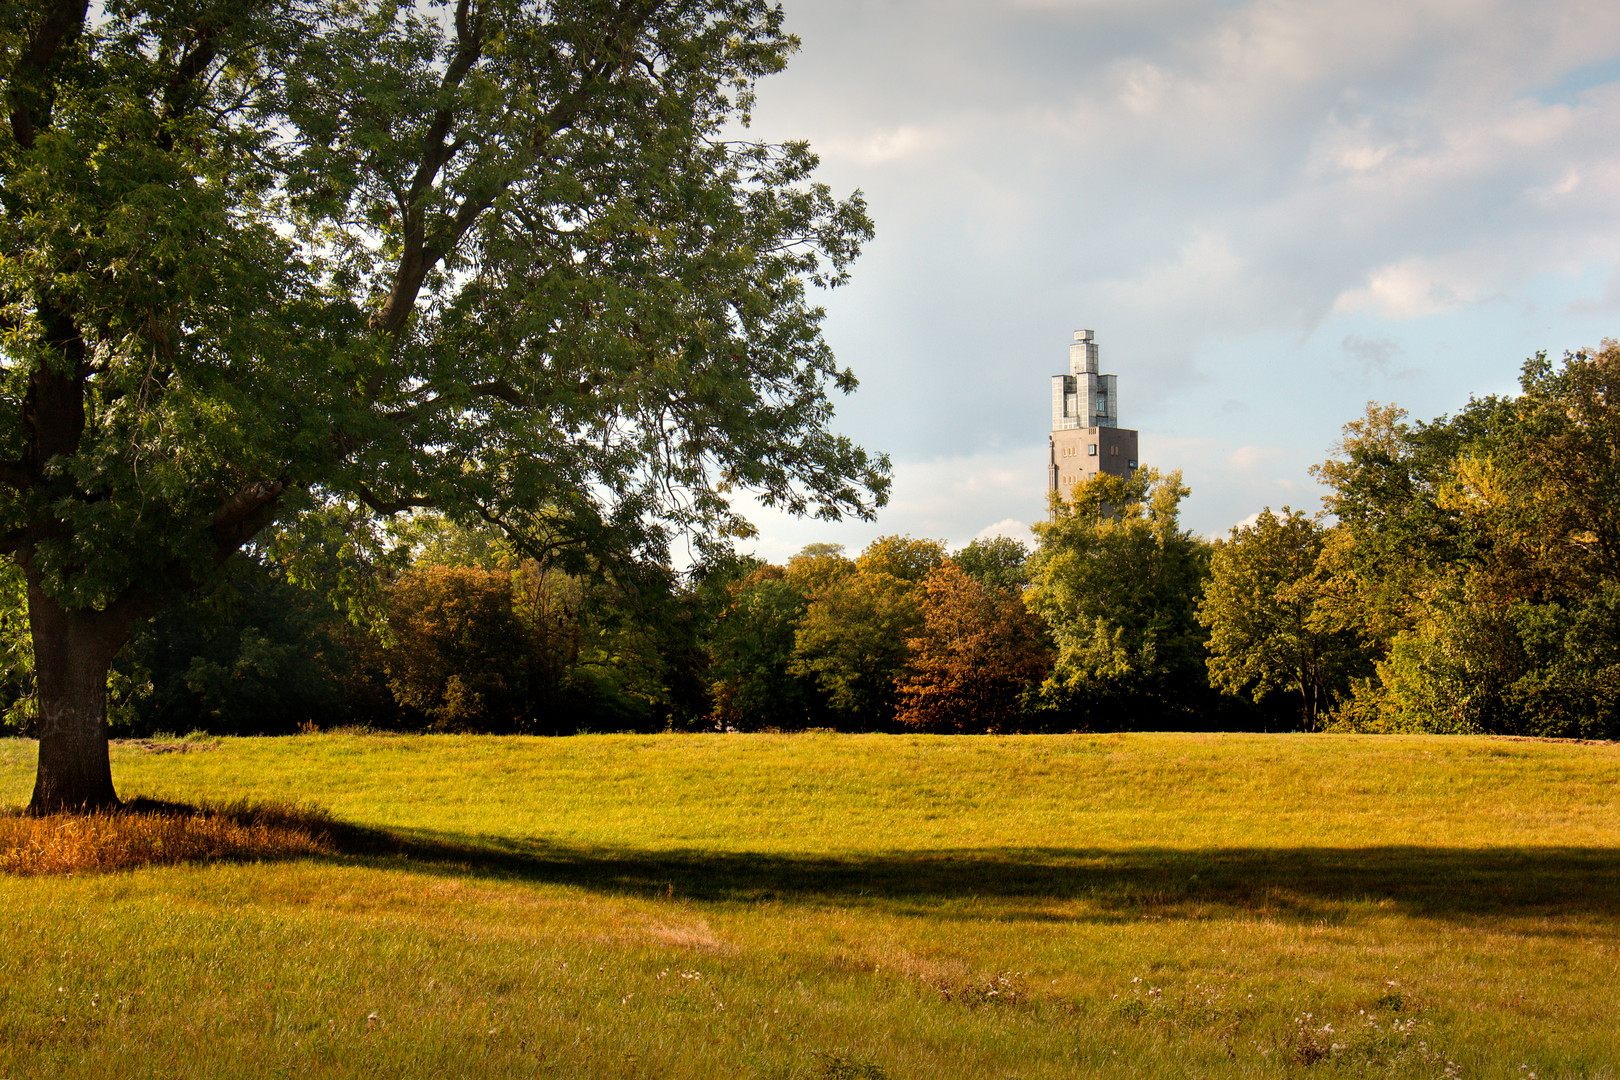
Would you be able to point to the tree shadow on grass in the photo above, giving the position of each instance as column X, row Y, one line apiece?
column 1024, row 884
column 1029, row 883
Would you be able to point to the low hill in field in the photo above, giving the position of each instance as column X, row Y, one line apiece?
column 821, row 906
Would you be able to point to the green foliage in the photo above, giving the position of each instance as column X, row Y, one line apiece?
column 266, row 300
column 853, row 639
column 458, row 655
column 266, row 262
column 434, row 540
column 902, row 557
column 258, row 655
column 999, row 562
column 1118, row 580
column 16, row 654
column 852, row 642
column 1268, row 628
column 751, row 650
column 535, row 650
column 818, row 567
column 1489, row 587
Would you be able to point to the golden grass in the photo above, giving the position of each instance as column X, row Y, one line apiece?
column 817, row 906
column 146, row 833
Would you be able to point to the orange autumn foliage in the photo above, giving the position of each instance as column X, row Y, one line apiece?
column 980, row 649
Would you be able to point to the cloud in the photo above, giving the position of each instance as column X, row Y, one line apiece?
column 947, row 499
column 888, row 145
column 1250, row 458
column 1373, row 355
column 1241, row 526
column 1253, row 203
column 1406, row 290
column 1603, row 304
column 1372, row 360
column 1008, row 527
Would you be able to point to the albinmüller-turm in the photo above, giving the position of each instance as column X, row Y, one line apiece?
column 1086, row 436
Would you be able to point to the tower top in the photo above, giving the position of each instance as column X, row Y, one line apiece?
column 1085, row 397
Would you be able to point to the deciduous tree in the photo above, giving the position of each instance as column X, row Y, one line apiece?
column 980, row 651
column 459, row 653
column 751, row 655
column 1268, row 630
column 904, row 557
column 1501, row 554
column 853, row 640
column 995, row 562
column 1118, row 580
column 502, row 258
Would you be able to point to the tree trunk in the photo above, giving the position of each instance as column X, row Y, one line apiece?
column 72, row 652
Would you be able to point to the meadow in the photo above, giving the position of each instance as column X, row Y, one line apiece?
column 834, row 907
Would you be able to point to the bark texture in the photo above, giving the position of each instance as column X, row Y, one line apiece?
column 72, row 652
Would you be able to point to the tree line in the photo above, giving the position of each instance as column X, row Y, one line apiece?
column 1464, row 576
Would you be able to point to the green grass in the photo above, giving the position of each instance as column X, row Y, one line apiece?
column 825, row 906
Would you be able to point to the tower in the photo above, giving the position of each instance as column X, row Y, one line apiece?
column 1086, row 436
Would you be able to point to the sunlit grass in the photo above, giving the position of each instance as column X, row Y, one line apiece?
column 832, row 906
column 147, row 833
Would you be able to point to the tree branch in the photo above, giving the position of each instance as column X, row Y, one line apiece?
column 191, row 65
column 381, row 506
column 31, row 109
column 494, row 388
column 413, row 261
column 417, row 256
column 242, row 515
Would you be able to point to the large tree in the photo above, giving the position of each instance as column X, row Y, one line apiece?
column 1268, row 628
column 511, row 259
column 1506, row 619
column 854, row 637
column 1118, row 580
column 751, row 652
column 979, row 652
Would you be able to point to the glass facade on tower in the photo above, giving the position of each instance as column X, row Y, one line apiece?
column 1083, row 398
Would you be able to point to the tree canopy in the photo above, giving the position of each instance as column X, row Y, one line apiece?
column 1486, row 578
column 978, row 655
column 509, row 260
column 1269, row 627
column 1118, row 580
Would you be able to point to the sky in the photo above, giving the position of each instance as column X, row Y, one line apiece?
column 1269, row 212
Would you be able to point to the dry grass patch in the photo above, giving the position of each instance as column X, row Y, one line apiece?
column 146, row 833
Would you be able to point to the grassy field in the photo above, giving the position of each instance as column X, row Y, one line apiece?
column 845, row 907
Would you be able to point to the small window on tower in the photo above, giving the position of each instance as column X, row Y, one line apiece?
column 1113, row 451
column 1092, row 450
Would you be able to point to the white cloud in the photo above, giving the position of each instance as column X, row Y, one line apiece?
column 1241, row 526
column 947, row 499
column 1008, row 527
column 882, row 147
column 1260, row 206
column 1250, row 458
column 1407, row 290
